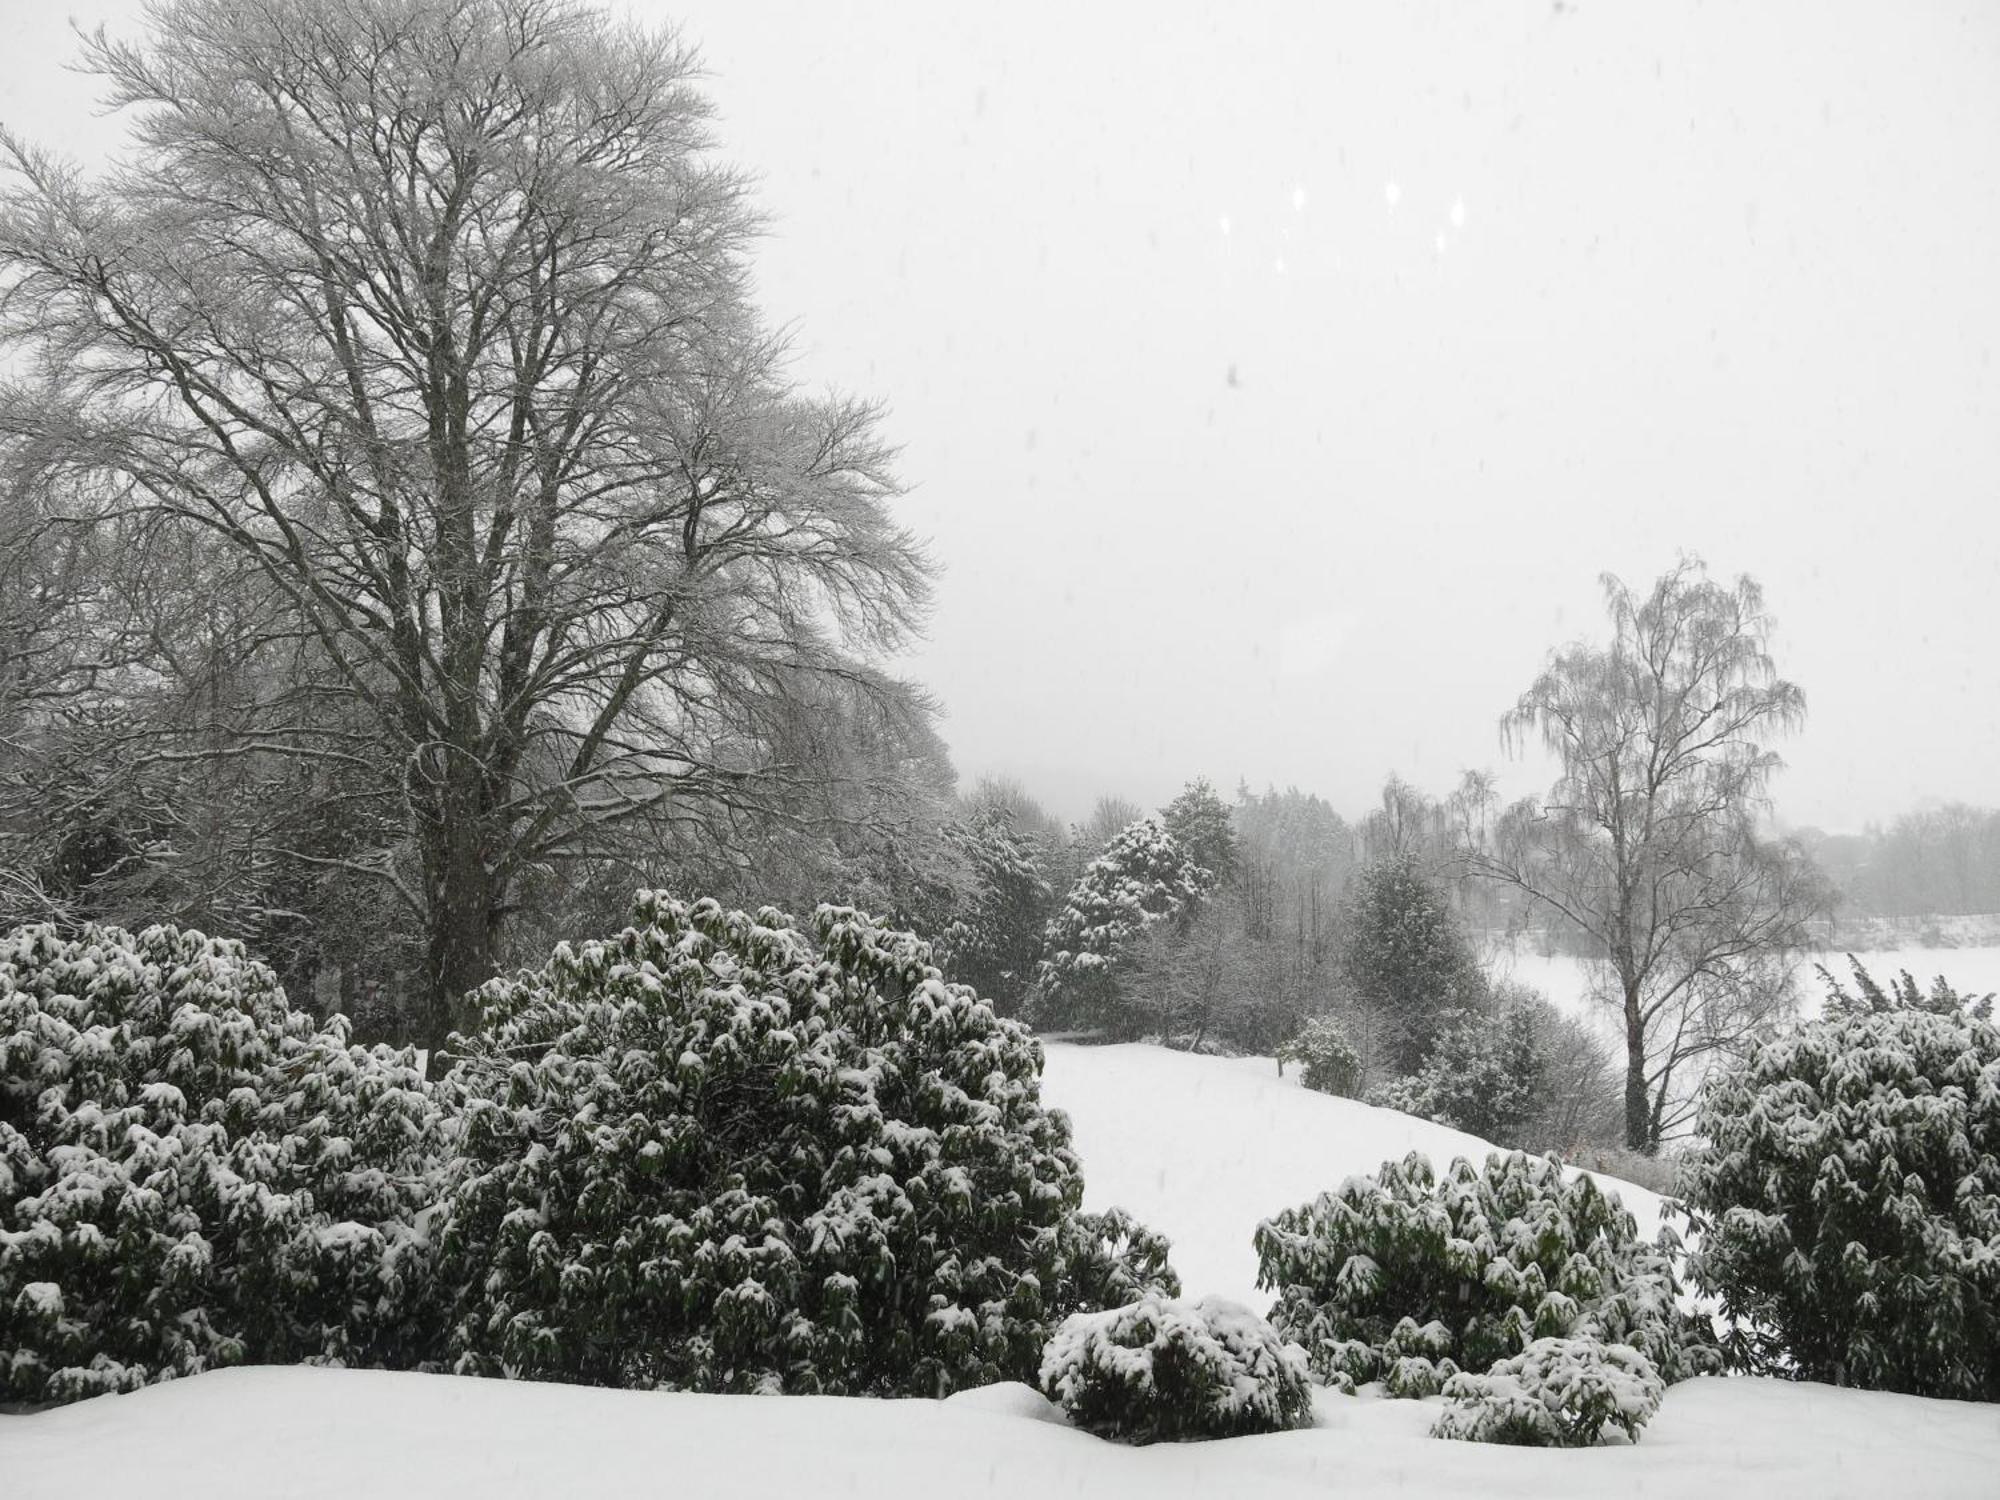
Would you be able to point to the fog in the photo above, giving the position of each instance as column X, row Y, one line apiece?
column 1275, row 382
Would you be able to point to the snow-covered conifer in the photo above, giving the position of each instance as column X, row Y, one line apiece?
column 996, row 939
column 1142, row 879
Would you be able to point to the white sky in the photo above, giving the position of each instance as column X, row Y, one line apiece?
column 1275, row 381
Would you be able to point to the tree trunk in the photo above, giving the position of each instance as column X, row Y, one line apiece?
column 461, row 904
column 1638, row 1108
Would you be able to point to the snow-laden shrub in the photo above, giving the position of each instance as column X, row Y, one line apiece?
column 1556, row 1393
column 1327, row 1061
column 1164, row 1371
column 1410, row 1279
column 718, row 1152
column 1848, row 1196
column 1485, row 1075
column 193, row 1174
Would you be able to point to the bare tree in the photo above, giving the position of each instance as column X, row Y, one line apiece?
column 1648, row 844
column 435, row 313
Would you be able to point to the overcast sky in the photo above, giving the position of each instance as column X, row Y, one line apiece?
column 1275, row 382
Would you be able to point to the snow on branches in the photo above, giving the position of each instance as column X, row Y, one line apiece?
column 1848, row 1191
column 193, row 1174
column 1409, row 1279
column 720, row 1152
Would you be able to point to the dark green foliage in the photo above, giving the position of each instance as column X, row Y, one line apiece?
column 720, row 1153
column 1142, row 879
column 1485, row 1076
column 193, row 1174
column 1199, row 822
column 1409, row 1279
column 995, row 942
column 1162, row 1371
column 1869, row 997
column 1847, row 1189
column 1556, row 1393
column 1406, row 958
column 1111, row 1259
column 1327, row 1061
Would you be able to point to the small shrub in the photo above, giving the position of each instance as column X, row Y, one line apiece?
column 1408, row 1279
column 1556, row 1393
column 1485, row 1075
column 1161, row 1371
column 721, row 1152
column 1327, row 1061
column 194, row 1174
column 1848, row 1194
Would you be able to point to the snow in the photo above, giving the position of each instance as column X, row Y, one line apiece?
column 1567, row 981
column 313, row 1434
column 1203, row 1149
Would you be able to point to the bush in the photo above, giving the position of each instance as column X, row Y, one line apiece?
column 1485, row 1076
column 1327, row 1060
column 1848, row 1194
column 1406, row 1279
column 1556, row 1393
column 718, row 1153
column 193, row 1174
column 1160, row 1371
column 1407, row 958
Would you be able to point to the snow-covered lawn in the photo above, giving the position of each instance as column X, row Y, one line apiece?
column 1199, row 1147
column 296, row 1434
column 1202, row 1148
column 1567, row 981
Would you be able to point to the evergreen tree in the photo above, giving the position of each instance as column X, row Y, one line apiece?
column 1199, row 822
column 1407, row 959
column 996, row 940
column 1142, row 880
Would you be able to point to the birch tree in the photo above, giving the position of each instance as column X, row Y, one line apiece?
column 1648, row 844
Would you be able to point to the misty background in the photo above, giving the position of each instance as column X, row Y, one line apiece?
column 1274, row 383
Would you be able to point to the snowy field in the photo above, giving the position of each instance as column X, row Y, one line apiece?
column 1567, row 981
column 1201, row 1148
column 270, row 1434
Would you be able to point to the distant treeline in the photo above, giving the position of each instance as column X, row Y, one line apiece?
column 1942, row 861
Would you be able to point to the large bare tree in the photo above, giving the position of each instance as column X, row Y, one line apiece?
column 434, row 313
column 1648, row 845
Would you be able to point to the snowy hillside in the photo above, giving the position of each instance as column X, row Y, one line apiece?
column 1202, row 1148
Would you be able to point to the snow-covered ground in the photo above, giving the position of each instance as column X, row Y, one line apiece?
column 1567, row 981
column 1201, row 1148
column 297, row 1434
